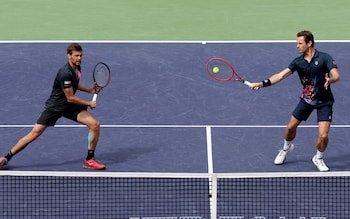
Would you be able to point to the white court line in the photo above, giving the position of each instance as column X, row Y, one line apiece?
column 173, row 175
column 166, row 41
column 174, row 126
column 209, row 150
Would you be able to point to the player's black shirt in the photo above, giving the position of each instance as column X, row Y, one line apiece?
column 65, row 78
column 312, row 77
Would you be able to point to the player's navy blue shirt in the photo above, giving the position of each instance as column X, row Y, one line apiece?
column 65, row 78
column 312, row 77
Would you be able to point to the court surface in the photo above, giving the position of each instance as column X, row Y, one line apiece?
column 161, row 104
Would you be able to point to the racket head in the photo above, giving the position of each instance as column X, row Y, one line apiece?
column 226, row 71
column 101, row 74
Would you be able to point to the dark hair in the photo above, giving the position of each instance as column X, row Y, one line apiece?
column 74, row 47
column 308, row 36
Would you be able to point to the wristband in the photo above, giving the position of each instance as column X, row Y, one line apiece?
column 266, row 83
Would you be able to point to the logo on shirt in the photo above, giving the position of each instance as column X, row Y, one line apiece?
column 67, row 82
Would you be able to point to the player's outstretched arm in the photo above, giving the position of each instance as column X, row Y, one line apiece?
column 274, row 79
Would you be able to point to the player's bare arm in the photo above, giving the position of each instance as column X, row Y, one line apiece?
column 280, row 76
column 274, row 79
column 94, row 88
column 71, row 98
column 333, row 77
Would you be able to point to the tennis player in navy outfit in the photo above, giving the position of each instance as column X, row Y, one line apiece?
column 316, row 70
column 64, row 102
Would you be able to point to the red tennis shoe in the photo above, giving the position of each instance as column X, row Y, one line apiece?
column 92, row 164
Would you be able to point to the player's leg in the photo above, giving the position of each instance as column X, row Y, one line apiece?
column 324, row 117
column 93, row 124
column 37, row 130
column 301, row 113
column 47, row 118
column 291, row 130
column 289, row 136
column 322, row 140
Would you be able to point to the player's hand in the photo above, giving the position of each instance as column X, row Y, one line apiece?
column 92, row 104
column 326, row 84
column 95, row 88
column 98, row 89
column 256, row 85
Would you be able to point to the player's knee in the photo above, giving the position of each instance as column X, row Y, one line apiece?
column 96, row 125
column 323, row 137
column 34, row 134
column 291, row 129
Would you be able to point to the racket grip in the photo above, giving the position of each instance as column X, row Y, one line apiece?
column 94, row 98
column 248, row 83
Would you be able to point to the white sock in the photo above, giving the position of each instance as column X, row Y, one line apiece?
column 286, row 144
column 319, row 154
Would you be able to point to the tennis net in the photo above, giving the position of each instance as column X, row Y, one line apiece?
column 112, row 195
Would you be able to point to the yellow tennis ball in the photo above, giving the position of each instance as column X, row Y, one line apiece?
column 216, row 70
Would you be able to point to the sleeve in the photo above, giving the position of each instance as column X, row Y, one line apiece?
column 65, row 79
column 292, row 66
column 331, row 63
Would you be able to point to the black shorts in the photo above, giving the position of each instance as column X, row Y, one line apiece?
column 49, row 117
column 324, row 111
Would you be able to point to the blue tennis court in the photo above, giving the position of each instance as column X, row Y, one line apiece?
column 155, row 112
column 161, row 109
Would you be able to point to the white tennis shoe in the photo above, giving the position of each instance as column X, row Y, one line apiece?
column 319, row 163
column 282, row 154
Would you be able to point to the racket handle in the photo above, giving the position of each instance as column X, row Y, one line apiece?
column 94, row 98
column 248, row 83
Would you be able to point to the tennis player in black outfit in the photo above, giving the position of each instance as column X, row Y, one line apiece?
column 64, row 102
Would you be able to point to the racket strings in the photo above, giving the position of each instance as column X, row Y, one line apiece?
column 101, row 75
column 223, row 70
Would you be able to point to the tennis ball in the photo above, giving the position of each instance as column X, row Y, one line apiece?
column 216, row 70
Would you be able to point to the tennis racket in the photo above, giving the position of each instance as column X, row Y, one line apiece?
column 221, row 70
column 102, row 76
